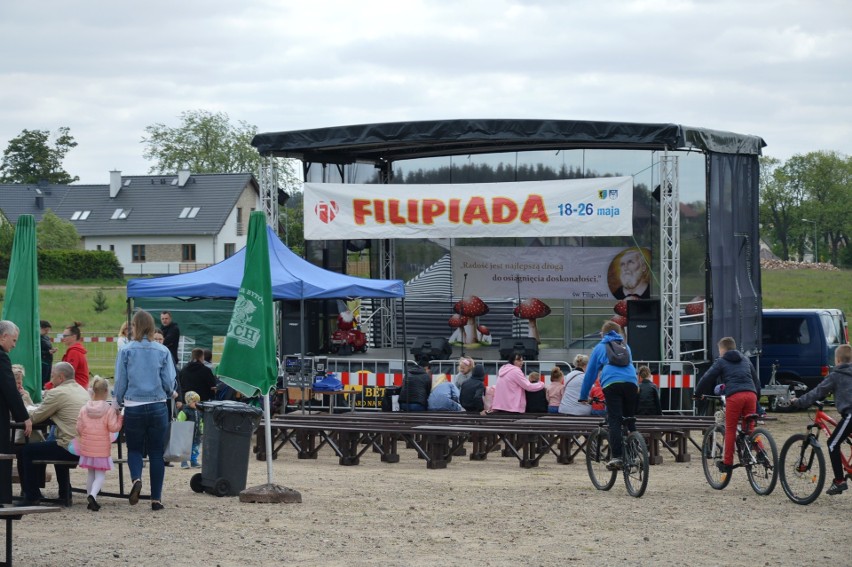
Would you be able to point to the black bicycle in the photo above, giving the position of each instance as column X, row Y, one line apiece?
column 755, row 449
column 635, row 459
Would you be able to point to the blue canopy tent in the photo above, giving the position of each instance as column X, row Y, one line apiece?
column 293, row 279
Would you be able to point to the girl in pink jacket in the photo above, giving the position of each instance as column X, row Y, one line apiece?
column 96, row 422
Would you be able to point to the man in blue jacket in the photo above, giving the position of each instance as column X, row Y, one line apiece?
column 742, row 390
column 620, row 388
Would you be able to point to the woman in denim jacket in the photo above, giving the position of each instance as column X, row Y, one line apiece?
column 144, row 380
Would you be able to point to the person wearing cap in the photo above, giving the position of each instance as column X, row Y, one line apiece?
column 472, row 391
column 47, row 352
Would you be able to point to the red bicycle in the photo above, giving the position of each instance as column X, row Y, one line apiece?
column 803, row 462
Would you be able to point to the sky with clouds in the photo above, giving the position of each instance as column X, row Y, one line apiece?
column 779, row 69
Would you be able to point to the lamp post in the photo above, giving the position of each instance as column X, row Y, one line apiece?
column 816, row 246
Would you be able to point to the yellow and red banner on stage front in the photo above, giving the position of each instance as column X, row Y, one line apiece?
column 565, row 207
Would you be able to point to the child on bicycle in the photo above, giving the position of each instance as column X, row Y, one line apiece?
column 839, row 382
column 742, row 390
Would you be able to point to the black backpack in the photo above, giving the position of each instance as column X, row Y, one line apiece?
column 617, row 353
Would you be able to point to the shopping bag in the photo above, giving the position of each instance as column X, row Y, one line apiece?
column 180, row 441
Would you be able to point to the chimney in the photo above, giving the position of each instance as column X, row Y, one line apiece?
column 183, row 177
column 114, row 183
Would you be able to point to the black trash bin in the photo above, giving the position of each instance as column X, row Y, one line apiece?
column 387, row 398
column 228, row 427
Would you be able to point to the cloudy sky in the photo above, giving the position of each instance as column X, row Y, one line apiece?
column 779, row 69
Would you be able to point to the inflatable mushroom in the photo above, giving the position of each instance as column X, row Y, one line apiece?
column 532, row 309
column 457, row 322
column 471, row 307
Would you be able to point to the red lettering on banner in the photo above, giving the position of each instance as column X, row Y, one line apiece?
column 393, row 212
column 503, row 210
column 360, row 210
column 476, row 211
column 432, row 208
column 534, row 209
column 455, row 207
column 379, row 211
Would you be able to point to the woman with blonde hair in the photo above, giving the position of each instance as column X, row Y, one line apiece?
column 144, row 380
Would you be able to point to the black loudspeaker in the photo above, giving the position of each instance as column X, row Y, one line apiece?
column 431, row 348
column 527, row 346
column 643, row 329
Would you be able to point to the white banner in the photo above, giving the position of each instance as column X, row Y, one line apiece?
column 552, row 272
column 570, row 207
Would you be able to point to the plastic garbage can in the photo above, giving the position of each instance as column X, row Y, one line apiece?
column 228, row 427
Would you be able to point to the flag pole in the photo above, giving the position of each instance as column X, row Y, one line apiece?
column 267, row 434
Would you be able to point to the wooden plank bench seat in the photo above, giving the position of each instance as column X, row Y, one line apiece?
column 438, row 436
column 16, row 513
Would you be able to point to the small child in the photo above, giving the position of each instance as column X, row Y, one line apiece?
column 190, row 412
column 597, row 393
column 555, row 390
column 536, row 401
column 95, row 424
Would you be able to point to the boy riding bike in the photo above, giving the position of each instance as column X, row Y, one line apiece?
column 742, row 390
column 839, row 382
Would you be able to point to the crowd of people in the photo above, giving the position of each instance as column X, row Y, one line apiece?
column 85, row 414
column 149, row 391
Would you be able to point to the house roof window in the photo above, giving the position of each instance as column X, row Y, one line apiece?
column 80, row 215
column 189, row 212
column 120, row 214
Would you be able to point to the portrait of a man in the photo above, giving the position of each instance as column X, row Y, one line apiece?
column 629, row 274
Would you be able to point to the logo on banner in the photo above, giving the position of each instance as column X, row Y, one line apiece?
column 326, row 212
column 239, row 329
column 608, row 194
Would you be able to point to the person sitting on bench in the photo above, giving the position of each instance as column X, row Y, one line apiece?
column 61, row 404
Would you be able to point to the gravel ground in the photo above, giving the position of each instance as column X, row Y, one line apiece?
column 473, row 513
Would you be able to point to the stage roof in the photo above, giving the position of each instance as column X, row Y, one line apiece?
column 392, row 141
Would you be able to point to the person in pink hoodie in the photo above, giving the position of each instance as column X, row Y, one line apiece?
column 509, row 394
column 95, row 424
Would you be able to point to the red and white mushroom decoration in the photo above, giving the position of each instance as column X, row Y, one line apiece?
column 471, row 307
column 620, row 307
column 532, row 309
column 457, row 322
column 621, row 320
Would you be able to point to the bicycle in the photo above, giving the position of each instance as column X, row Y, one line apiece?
column 803, row 462
column 755, row 449
column 635, row 459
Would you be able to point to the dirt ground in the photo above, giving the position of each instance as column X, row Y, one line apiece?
column 487, row 513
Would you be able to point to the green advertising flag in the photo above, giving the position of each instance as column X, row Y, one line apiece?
column 21, row 304
column 249, row 363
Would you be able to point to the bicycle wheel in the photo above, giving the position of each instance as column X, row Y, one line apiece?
column 761, row 461
column 635, row 465
column 597, row 456
column 802, row 469
column 712, row 451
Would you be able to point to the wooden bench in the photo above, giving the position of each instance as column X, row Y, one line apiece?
column 438, row 436
column 12, row 514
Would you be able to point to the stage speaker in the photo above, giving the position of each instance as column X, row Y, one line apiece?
column 643, row 329
column 527, row 346
column 431, row 348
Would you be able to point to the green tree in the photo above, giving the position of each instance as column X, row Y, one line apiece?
column 29, row 158
column 207, row 142
column 54, row 233
column 827, row 182
column 781, row 198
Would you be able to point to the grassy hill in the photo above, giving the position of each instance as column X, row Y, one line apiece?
column 807, row 288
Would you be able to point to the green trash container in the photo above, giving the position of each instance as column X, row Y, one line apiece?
column 225, row 448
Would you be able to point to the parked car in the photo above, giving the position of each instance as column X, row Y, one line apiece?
column 801, row 342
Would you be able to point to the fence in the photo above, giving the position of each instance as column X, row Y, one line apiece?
column 101, row 350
